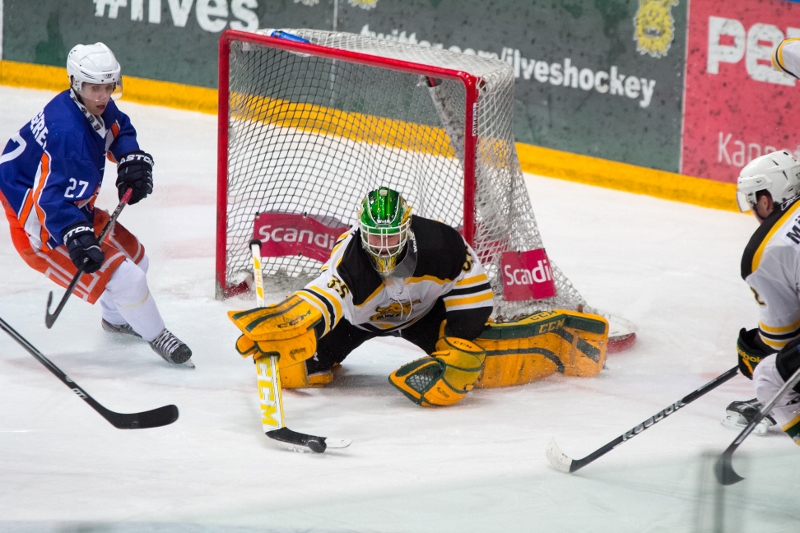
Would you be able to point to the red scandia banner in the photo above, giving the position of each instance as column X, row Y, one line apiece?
column 737, row 107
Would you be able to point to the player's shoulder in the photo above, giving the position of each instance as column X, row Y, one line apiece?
column 441, row 250
column 432, row 234
column 62, row 118
column 775, row 239
column 352, row 265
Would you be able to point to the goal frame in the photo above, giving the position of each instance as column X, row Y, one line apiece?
column 470, row 82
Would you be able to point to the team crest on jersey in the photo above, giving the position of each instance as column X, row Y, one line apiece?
column 393, row 310
column 654, row 27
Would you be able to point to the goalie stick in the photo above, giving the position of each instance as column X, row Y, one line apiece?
column 272, row 398
column 562, row 462
column 161, row 416
column 50, row 319
column 723, row 468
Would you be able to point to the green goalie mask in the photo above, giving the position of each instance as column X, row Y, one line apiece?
column 384, row 219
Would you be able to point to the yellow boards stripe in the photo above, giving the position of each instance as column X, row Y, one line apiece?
column 350, row 125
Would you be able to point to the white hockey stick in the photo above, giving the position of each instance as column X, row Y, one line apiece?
column 269, row 387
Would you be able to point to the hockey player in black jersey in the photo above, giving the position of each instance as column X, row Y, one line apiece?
column 393, row 274
column 769, row 186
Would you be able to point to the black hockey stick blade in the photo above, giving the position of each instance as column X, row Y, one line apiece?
column 303, row 440
column 50, row 318
column 161, row 416
column 562, row 462
column 724, row 471
column 723, row 468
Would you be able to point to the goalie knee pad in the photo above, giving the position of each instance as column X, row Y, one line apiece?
column 443, row 378
column 542, row 344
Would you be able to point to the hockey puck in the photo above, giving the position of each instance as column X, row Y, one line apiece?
column 317, row 445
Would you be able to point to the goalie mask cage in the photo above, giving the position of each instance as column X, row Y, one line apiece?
column 310, row 127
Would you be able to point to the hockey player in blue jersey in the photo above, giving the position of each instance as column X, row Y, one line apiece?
column 50, row 175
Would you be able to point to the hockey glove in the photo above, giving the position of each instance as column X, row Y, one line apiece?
column 445, row 377
column 751, row 350
column 135, row 171
column 285, row 330
column 84, row 250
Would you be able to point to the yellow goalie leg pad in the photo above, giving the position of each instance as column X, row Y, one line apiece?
column 445, row 377
column 542, row 344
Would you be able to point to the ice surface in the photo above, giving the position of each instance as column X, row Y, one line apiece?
column 671, row 268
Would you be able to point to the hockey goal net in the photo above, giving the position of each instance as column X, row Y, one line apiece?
column 310, row 121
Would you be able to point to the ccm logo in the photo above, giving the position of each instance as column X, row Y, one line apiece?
column 540, row 273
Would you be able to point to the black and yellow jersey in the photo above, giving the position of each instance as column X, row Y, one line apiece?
column 437, row 263
column 771, row 267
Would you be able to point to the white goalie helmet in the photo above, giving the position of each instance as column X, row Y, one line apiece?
column 777, row 173
column 95, row 64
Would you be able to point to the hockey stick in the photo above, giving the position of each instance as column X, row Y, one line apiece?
column 269, row 386
column 50, row 319
column 161, row 416
column 723, row 468
column 562, row 462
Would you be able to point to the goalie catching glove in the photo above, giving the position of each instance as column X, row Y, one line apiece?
column 444, row 377
column 285, row 330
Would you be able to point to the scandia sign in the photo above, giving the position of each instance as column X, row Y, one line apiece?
column 284, row 234
column 527, row 275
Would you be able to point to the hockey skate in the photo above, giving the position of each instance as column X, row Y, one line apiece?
column 122, row 329
column 172, row 349
column 739, row 414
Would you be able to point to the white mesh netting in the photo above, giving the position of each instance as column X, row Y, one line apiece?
column 312, row 135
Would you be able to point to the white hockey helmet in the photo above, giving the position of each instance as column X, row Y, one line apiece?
column 95, row 64
column 777, row 173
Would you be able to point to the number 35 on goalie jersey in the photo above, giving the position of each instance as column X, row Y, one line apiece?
column 438, row 264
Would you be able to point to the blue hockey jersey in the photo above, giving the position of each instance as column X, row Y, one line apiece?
column 52, row 169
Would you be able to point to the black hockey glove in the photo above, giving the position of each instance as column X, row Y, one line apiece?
column 135, row 171
column 84, row 250
column 751, row 350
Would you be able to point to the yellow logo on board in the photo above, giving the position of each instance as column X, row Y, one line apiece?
column 655, row 27
column 363, row 4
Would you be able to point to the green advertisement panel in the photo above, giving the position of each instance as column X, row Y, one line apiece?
column 601, row 78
